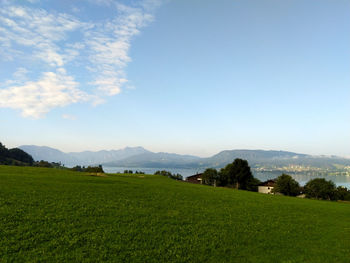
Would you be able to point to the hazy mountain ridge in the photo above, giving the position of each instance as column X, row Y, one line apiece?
column 140, row 157
column 105, row 156
column 80, row 158
column 48, row 154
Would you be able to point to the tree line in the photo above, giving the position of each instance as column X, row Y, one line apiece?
column 132, row 172
column 238, row 175
column 169, row 175
column 89, row 169
column 317, row 188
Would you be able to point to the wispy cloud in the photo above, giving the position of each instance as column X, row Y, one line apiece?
column 35, row 28
column 109, row 46
column 61, row 41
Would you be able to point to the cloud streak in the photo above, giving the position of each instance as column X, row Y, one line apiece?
column 59, row 45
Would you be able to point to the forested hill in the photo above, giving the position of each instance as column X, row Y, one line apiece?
column 14, row 156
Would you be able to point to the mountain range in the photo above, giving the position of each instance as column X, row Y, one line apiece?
column 140, row 157
column 80, row 158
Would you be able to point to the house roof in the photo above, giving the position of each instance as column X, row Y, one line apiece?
column 268, row 183
column 195, row 176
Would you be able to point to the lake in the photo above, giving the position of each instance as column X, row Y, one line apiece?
column 339, row 180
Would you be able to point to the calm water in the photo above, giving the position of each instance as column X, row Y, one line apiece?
column 339, row 180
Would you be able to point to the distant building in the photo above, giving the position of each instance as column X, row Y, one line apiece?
column 266, row 187
column 195, row 179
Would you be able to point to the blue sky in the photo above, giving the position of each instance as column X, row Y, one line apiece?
column 191, row 77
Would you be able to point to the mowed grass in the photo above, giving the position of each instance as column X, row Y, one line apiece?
column 49, row 215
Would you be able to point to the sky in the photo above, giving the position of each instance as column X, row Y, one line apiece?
column 185, row 76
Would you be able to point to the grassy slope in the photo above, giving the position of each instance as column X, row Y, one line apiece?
column 53, row 215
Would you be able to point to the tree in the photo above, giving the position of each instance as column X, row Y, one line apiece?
column 286, row 185
column 320, row 188
column 236, row 174
column 210, row 176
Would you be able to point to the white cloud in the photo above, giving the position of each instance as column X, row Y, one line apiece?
column 35, row 99
column 101, row 48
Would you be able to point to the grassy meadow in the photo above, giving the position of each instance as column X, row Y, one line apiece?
column 51, row 215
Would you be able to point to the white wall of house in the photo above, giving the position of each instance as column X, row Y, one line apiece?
column 265, row 189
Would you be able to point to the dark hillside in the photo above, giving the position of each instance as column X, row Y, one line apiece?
column 14, row 156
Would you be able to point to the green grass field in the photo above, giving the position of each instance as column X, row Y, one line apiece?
column 49, row 215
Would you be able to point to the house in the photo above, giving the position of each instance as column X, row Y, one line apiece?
column 266, row 187
column 195, row 179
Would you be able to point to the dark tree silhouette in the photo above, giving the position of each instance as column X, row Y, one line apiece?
column 237, row 175
column 320, row 188
column 286, row 185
